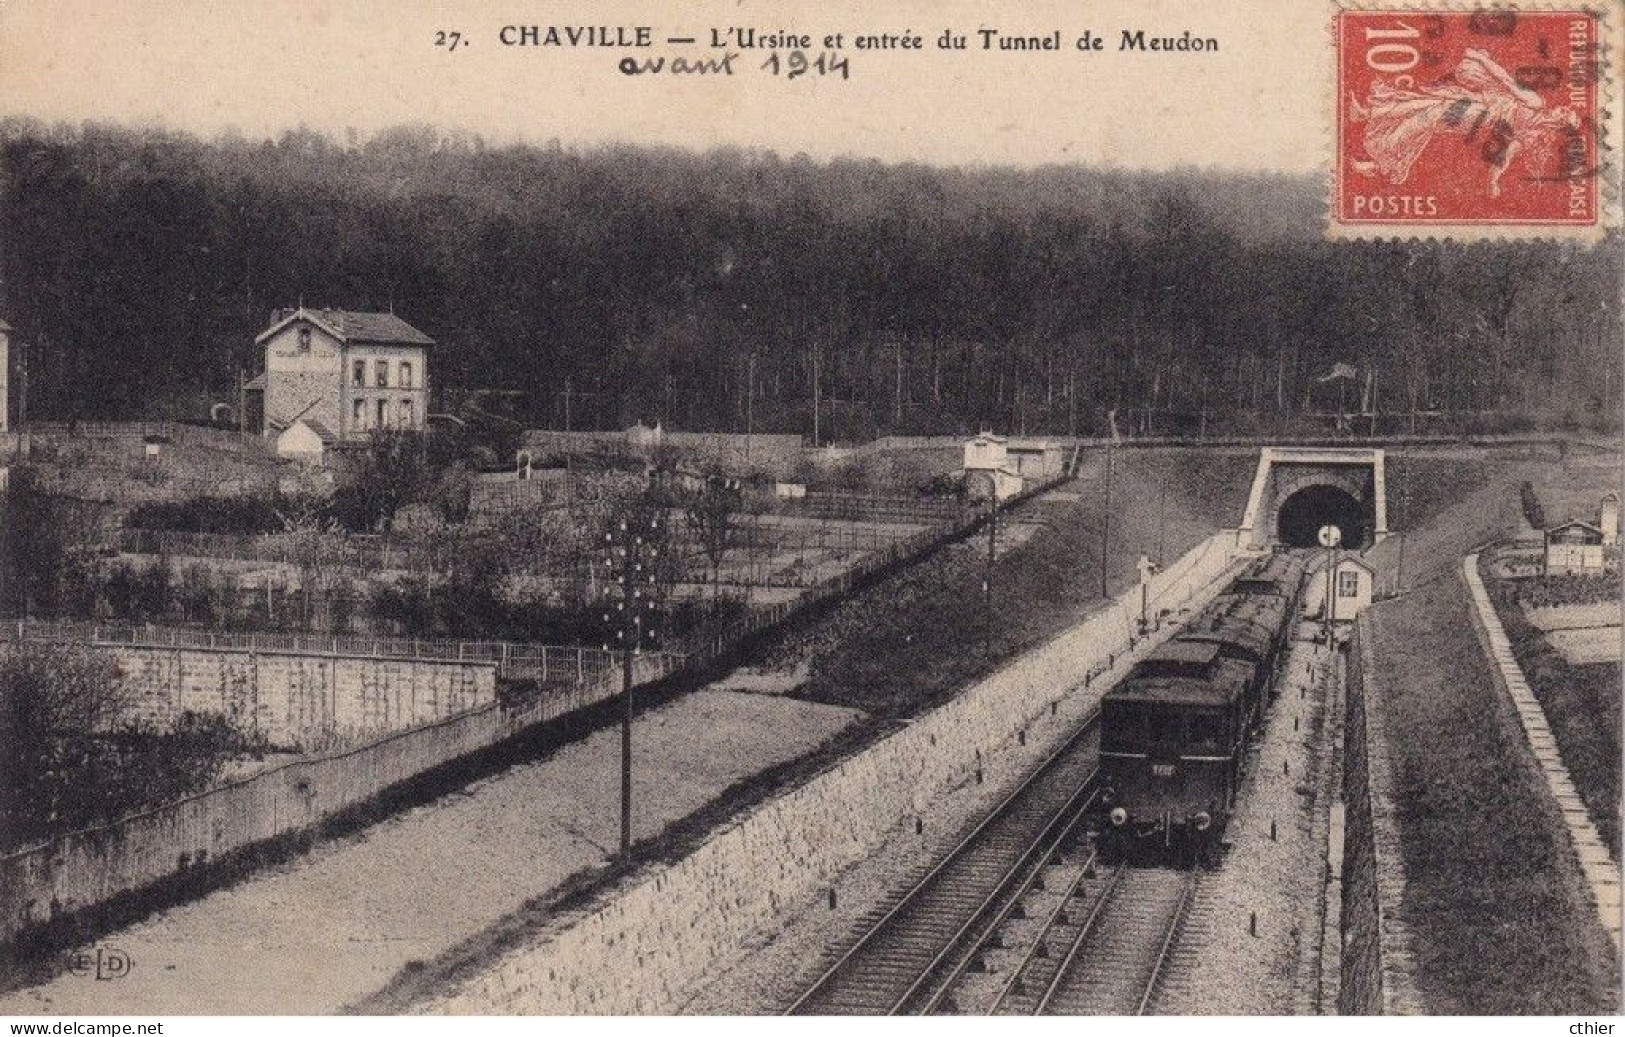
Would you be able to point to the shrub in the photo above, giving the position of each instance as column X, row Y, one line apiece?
column 241, row 515
column 75, row 759
column 1532, row 510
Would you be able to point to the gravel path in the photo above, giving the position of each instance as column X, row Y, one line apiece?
column 338, row 923
column 1219, row 967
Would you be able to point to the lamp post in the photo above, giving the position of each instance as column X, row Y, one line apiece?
column 632, row 551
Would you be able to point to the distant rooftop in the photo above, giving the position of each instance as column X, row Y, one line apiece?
column 353, row 326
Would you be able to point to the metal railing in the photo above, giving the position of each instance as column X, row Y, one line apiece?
column 547, row 663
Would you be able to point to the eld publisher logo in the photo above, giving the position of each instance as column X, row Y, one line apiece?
column 105, row 963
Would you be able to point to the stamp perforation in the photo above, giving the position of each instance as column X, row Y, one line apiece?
column 1504, row 96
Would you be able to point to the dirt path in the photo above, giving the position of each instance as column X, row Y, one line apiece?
column 338, row 923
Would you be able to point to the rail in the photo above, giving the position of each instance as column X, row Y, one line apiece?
column 826, row 991
column 1084, row 931
column 941, row 999
column 1126, row 944
column 1169, row 939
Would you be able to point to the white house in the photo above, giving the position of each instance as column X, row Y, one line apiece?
column 349, row 372
column 988, row 472
column 1351, row 589
column 1574, row 547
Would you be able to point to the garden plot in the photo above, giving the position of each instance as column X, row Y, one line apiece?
column 1587, row 633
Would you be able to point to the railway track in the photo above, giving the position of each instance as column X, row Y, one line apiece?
column 1116, row 958
column 913, row 950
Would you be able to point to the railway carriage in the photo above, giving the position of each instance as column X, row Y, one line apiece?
column 1174, row 734
column 1171, row 741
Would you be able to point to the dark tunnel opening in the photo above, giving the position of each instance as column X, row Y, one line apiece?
column 1303, row 513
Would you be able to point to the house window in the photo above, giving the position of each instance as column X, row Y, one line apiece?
column 383, row 373
column 406, row 374
column 304, row 340
column 1348, row 584
column 406, row 414
column 358, row 373
column 383, row 413
column 359, row 415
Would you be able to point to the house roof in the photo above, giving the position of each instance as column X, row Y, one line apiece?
column 256, row 383
column 351, row 326
column 1574, row 524
column 3, row 325
column 1319, row 563
column 321, row 430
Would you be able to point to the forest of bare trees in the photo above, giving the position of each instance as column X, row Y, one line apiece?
column 730, row 288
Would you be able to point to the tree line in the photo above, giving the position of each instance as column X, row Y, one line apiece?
column 740, row 289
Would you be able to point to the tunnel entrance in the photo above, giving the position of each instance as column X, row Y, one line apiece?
column 1302, row 514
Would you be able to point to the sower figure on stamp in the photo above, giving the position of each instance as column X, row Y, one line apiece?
column 1478, row 97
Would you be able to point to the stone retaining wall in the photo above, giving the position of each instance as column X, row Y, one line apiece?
column 297, row 699
column 635, row 954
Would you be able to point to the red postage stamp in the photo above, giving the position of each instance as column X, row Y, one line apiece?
column 1470, row 119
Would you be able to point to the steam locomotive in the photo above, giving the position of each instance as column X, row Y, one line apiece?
column 1174, row 733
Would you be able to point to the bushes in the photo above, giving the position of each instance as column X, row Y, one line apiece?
column 73, row 759
column 240, row 515
column 1532, row 510
column 1567, row 590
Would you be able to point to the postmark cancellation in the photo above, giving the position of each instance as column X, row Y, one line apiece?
column 1488, row 123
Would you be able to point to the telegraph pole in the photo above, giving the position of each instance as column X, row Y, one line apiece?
column 632, row 551
column 987, row 574
column 1106, row 522
column 750, row 403
column 817, row 402
column 569, row 479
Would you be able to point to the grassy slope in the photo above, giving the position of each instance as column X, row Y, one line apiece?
column 913, row 641
column 1500, row 924
column 1445, row 507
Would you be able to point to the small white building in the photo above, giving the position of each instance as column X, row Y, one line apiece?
column 1352, row 587
column 1573, row 548
column 642, row 437
column 305, row 440
column 988, row 472
column 1035, row 460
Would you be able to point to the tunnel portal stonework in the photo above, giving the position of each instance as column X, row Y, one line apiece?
column 1285, row 472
